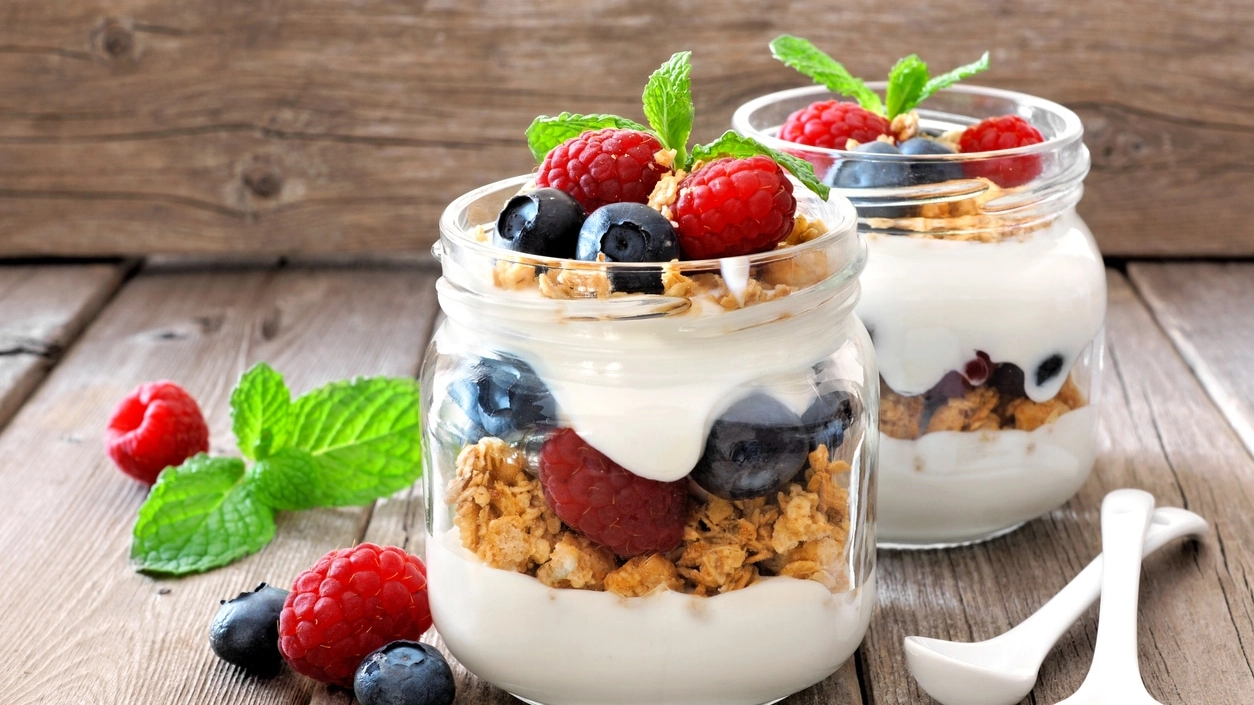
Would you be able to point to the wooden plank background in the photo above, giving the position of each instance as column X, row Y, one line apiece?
column 317, row 126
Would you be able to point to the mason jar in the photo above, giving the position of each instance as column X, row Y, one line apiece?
column 986, row 302
column 650, row 498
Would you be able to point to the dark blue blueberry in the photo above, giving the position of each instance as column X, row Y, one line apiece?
column 501, row 397
column 543, row 222
column 404, row 673
column 753, row 449
column 629, row 232
column 929, row 171
column 829, row 417
column 1048, row 369
column 862, row 173
column 1007, row 379
column 245, row 631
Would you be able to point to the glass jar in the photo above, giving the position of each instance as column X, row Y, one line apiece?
column 985, row 296
column 727, row 426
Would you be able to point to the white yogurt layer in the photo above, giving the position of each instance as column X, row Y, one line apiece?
column 577, row 647
column 952, row 487
column 930, row 304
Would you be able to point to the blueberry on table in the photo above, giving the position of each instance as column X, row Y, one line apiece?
column 245, row 631
column 863, row 173
column 753, row 449
column 501, row 397
column 928, row 171
column 829, row 417
column 542, row 222
column 404, row 673
column 629, row 232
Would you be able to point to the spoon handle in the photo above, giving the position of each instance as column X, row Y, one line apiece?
column 1038, row 633
column 1125, row 519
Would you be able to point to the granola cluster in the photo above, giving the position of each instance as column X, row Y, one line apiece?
column 982, row 408
column 501, row 516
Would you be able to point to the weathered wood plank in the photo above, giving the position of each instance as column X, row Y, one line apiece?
column 1160, row 433
column 42, row 310
column 311, row 126
column 68, row 512
column 1207, row 309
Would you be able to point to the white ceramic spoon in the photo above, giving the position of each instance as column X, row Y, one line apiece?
column 1115, row 675
column 1002, row 670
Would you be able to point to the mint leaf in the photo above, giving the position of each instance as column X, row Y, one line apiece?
column 732, row 144
column 199, row 516
column 363, row 436
column 905, row 85
column 260, row 411
column 806, row 58
column 668, row 104
column 547, row 132
column 946, row 80
column 288, row 480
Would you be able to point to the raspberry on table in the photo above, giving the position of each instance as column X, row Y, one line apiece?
column 156, row 426
column 997, row 133
column 604, row 166
column 353, row 601
column 832, row 123
column 732, row 207
column 609, row 504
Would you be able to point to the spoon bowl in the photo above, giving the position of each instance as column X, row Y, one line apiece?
column 1003, row 670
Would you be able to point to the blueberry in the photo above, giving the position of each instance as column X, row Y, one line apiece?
column 929, row 171
column 245, row 631
column 543, row 222
column 1007, row 379
column 829, row 417
column 1048, row 369
column 753, row 449
column 862, row 173
column 501, row 397
column 629, row 232
column 404, row 673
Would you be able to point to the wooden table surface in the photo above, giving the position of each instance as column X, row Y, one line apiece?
column 77, row 625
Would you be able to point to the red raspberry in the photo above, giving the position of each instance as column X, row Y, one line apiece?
column 627, row 513
column 733, row 207
column 350, row 603
column 832, row 124
column 606, row 166
column 1002, row 132
column 154, row 427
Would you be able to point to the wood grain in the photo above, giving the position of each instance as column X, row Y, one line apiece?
column 1207, row 309
column 287, row 126
column 1159, row 433
column 71, row 594
column 43, row 308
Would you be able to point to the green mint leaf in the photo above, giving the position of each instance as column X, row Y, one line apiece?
column 288, row 480
column 668, row 104
column 905, row 85
column 732, row 144
column 806, row 58
column 946, row 80
column 199, row 516
column 547, row 132
column 261, row 412
column 363, row 436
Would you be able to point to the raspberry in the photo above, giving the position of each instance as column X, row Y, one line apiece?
column 1002, row 132
column 606, row 166
column 627, row 513
column 832, row 124
column 155, row 426
column 733, row 207
column 350, row 603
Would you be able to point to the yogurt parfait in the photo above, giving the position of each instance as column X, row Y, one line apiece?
column 984, row 291
column 649, row 420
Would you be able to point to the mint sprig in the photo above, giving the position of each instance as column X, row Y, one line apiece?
column 732, row 144
column 668, row 103
column 909, row 82
column 546, row 132
column 346, row 443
